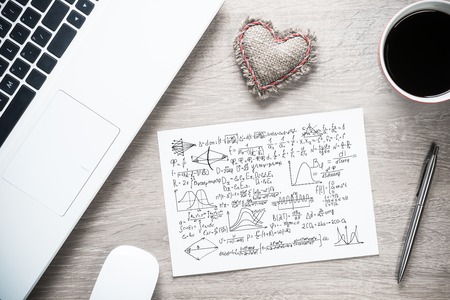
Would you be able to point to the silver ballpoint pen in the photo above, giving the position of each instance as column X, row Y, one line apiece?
column 421, row 197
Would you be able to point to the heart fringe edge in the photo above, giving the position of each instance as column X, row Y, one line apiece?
column 275, row 86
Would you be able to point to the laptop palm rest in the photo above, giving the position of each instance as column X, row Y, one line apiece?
column 61, row 152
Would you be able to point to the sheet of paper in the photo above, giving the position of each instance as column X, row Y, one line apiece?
column 267, row 192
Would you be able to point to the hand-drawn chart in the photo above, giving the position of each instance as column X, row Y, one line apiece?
column 247, row 220
column 209, row 157
column 193, row 201
column 344, row 239
column 303, row 176
column 267, row 192
column 201, row 248
column 294, row 201
column 179, row 147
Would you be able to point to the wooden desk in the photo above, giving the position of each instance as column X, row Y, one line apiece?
column 209, row 89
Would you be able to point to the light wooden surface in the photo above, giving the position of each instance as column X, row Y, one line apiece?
column 209, row 89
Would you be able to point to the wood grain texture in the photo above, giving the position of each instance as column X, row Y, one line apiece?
column 209, row 89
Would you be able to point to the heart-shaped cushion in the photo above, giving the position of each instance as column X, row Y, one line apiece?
column 270, row 59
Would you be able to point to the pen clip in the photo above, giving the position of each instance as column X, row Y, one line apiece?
column 433, row 151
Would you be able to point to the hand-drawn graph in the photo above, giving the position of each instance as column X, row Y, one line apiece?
column 201, row 248
column 247, row 220
column 344, row 239
column 209, row 157
column 311, row 132
column 193, row 201
column 294, row 201
column 179, row 147
column 304, row 175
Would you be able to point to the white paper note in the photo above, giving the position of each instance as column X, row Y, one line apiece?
column 267, row 192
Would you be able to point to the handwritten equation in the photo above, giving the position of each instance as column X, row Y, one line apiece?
column 268, row 192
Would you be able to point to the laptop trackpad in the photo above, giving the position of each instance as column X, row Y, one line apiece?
column 61, row 152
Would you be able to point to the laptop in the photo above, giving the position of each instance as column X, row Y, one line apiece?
column 78, row 78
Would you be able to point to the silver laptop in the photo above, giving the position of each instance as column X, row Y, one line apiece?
column 78, row 78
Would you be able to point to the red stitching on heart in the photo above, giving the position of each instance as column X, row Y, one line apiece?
column 278, row 40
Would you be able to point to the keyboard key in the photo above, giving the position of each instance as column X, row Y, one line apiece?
column 76, row 19
column 41, row 4
column 19, row 33
column 23, row 2
column 3, row 66
column 20, row 68
column 9, row 50
column 36, row 79
column 11, row 11
column 14, row 111
column 9, row 84
column 62, row 40
column 55, row 15
column 85, row 6
column 3, row 100
column 41, row 36
column 46, row 63
column 30, row 52
column 30, row 17
column 70, row 1
column 5, row 26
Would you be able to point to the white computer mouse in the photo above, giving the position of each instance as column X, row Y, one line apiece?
column 128, row 273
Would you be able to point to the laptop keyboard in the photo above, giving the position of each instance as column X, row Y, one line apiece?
column 34, row 35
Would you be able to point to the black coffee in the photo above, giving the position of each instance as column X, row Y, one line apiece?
column 417, row 53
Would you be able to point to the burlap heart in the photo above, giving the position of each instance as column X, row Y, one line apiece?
column 270, row 59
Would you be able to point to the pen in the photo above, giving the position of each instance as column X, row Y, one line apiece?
column 430, row 165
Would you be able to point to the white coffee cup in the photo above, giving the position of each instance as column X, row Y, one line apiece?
column 437, row 5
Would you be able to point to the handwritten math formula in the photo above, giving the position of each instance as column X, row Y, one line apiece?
column 267, row 192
